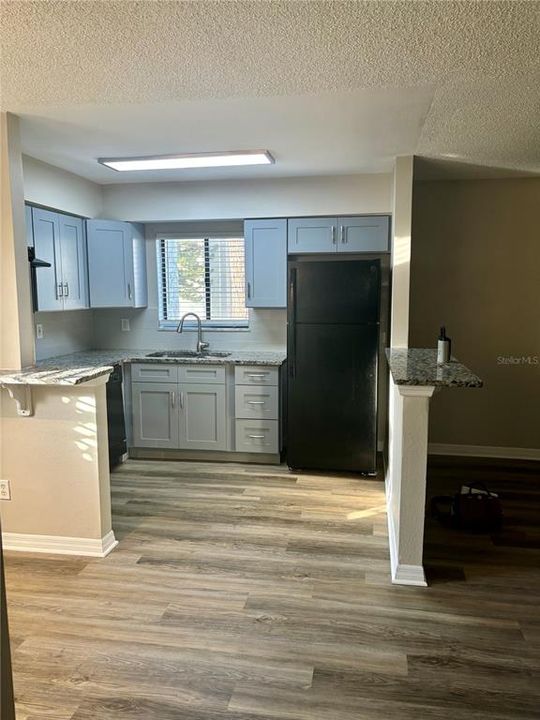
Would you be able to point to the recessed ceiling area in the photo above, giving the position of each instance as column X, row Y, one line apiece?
column 326, row 87
column 337, row 133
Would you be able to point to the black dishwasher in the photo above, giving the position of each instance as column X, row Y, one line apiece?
column 115, row 417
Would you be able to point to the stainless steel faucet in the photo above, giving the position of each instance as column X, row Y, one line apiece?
column 201, row 346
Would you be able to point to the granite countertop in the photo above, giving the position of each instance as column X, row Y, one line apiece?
column 84, row 366
column 418, row 366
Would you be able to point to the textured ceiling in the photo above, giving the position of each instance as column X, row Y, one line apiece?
column 475, row 64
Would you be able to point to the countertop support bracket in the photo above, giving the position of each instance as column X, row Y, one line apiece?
column 22, row 395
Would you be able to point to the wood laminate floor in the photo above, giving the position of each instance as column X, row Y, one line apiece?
column 248, row 593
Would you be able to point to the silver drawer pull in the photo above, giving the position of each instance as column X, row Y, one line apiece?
column 256, row 437
column 256, row 402
column 256, row 374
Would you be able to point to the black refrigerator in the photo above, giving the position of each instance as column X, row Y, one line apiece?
column 332, row 351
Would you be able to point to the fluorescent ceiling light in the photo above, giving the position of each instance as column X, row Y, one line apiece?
column 197, row 160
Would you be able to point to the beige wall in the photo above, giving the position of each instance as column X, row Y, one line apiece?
column 57, row 463
column 476, row 268
column 55, row 188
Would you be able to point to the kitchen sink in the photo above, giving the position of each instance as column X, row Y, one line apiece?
column 188, row 354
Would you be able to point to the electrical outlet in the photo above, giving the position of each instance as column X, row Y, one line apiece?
column 5, row 490
column 39, row 331
column 125, row 325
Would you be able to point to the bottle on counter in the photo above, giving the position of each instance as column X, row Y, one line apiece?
column 443, row 347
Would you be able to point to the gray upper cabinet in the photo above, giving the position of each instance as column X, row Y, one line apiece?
column 350, row 234
column 364, row 234
column 59, row 239
column 74, row 262
column 312, row 235
column 116, row 264
column 266, row 263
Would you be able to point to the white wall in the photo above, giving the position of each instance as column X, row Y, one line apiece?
column 188, row 201
column 64, row 332
column 267, row 327
column 280, row 197
column 55, row 188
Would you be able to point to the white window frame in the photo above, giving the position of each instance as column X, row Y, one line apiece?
column 191, row 324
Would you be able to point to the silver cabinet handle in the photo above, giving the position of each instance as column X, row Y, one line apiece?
column 256, row 374
column 66, row 289
column 333, row 235
column 256, row 402
column 129, row 291
column 249, row 290
column 173, row 398
column 342, row 231
column 258, row 437
column 59, row 290
column 182, row 400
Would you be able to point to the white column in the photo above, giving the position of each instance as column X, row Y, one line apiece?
column 16, row 320
column 406, row 480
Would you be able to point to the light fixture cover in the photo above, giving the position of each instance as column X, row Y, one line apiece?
column 195, row 160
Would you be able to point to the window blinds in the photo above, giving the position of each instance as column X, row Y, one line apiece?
column 202, row 275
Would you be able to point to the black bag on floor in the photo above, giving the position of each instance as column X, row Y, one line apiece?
column 475, row 509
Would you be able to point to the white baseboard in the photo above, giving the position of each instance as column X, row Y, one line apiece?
column 60, row 545
column 402, row 574
column 510, row 453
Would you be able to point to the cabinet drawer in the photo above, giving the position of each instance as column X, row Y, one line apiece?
column 259, row 436
column 255, row 375
column 256, row 402
column 154, row 372
column 201, row 374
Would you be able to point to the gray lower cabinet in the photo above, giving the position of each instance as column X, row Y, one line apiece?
column 172, row 413
column 257, row 436
column 178, row 415
column 256, row 409
column 155, row 415
column 203, row 419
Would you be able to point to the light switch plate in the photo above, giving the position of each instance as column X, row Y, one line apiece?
column 5, row 490
column 39, row 331
column 125, row 325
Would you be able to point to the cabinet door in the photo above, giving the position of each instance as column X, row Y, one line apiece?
column 109, row 269
column 266, row 263
column 312, row 235
column 74, row 264
column 364, row 234
column 49, row 289
column 155, row 415
column 203, row 419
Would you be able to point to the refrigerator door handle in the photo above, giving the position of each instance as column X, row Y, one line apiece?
column 292, row 330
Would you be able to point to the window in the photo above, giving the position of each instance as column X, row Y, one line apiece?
column 204, row 276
